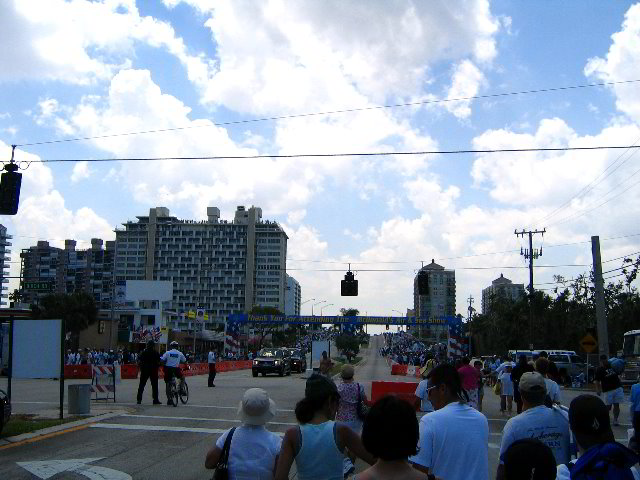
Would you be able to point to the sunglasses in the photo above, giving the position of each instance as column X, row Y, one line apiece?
column 431, row 388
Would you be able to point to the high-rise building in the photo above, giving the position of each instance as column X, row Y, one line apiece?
column 222, row 266
column 292, row 297
column 440, row 299
column 4, row 263
column 502, row 287
column 68, row 271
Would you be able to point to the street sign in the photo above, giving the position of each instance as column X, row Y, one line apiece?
column 588, row 343
column 38, row 286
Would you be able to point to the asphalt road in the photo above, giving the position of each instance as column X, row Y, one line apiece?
column 158, row 442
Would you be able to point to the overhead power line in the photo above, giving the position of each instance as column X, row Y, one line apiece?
column 331, row 155
column 337, row 112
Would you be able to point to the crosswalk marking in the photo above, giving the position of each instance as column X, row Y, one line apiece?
column 201, row 419
column 163, row 428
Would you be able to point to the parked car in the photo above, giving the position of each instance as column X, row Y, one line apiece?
column 5, row 409
column 272, row 360
column 571, row 365
column 298, row 360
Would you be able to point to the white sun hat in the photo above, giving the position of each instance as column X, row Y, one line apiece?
column 256, row 408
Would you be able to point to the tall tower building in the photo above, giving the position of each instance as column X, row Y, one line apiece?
column 503, row 287
column 4, row 263
column 223, row 266
column 438, row 301
column 292, row 297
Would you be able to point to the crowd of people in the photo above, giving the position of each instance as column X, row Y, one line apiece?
column 101, row 356
column 403, row 348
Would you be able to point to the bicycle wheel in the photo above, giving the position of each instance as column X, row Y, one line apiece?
column 184, row 393
column 174, row 393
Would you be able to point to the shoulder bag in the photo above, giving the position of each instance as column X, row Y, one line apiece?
column 222, row 468
column 362, row 409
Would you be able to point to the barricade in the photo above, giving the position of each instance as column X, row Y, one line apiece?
column 404, row 390
column 77, row 371
column 104, row 379
column 129, row 371
column 397, row 369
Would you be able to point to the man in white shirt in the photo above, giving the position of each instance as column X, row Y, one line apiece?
column 454, row 438
column 536, row 421
column 212, row 367
column 171, row 360
column 421, row 395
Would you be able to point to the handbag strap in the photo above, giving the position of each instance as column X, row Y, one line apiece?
column 224, row 456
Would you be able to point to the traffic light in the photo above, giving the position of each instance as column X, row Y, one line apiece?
column 349, row 286
column 423, row 283
column 387, row 326
column 10, row 190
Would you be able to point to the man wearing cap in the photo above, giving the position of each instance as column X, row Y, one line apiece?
column 608, row 382
column 536, row 421
column 421, row 394
column 600, row 456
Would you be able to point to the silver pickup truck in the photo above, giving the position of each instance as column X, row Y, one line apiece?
column 571, row 365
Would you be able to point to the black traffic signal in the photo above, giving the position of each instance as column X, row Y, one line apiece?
column 387, row 326
column 423, row 283
column 349, row 286
column 10, row 190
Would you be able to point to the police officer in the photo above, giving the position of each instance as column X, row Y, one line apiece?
column 149, row 361
column 212, row 367
column 171, row 359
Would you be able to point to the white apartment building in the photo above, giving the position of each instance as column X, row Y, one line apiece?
column 503, row 287
column 4, row 263
column 292, row 297
column 222, row 266
column 439, row 301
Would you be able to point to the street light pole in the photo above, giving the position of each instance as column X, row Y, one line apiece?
column 299, row 325
column 323, row 307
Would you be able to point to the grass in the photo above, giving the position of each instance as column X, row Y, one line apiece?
column 19, row 424
column 343, row 360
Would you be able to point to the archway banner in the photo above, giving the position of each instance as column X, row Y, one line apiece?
column 441, row 320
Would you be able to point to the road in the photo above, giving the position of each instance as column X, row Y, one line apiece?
column 152, row 442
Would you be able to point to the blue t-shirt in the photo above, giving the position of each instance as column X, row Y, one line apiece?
column 421, row 393
column 545, row 424
column 634, row 398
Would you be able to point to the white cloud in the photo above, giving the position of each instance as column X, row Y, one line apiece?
column 465, row 82
column 80, row 172
column 296, row 216
column 621, row 64
column 354, row 235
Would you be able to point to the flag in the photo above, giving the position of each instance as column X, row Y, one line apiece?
column 457, row 342
column 232, row 337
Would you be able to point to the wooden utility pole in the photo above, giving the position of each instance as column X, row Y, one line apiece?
column 530, row 255
column 603, row 334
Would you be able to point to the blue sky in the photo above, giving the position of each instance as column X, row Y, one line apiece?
column 84, row 69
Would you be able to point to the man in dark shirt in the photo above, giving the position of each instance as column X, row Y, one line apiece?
column 149, row 361
column 608, row 382
column 522, row 367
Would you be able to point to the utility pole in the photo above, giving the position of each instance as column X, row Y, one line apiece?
column 530, row 255
column 470, row 309
column 603, row 334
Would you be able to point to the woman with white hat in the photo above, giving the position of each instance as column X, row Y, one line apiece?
column 254, row 450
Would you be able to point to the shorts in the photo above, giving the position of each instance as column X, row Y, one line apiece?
column 614, row 396
column 473, row 398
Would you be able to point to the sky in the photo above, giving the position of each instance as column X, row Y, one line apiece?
column 208, row 73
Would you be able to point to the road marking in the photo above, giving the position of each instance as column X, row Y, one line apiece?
column 135, row 404
column 43, row 437
column 50, row 468
column 200, row 419
column 162, row 428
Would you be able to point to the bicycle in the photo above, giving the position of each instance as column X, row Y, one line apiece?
column 174, row 391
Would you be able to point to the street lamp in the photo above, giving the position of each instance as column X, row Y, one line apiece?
column 323, row 307
column 308, row 300
column 398, row 312
column 314, row 304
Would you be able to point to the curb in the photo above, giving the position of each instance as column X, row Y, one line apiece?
column 60, row 428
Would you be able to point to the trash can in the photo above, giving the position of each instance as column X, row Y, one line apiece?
column 79, row 399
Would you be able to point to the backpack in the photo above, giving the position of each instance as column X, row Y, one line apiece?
column 609, row 461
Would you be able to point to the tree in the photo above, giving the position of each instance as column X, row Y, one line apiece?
column 349, row 312
column 264, row 329
column 15, row 296
column 348, row 344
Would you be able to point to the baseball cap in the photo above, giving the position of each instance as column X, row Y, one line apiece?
column 532, row 382
column 589, row 417
column 319, row 386
column 529, row 459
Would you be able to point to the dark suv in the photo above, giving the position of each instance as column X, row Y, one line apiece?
column 272, row 360
column 5, row 409
column 298, row 360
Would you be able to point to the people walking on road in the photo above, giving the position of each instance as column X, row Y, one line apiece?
column 171, row 360
column 599, row 455
column 318, row 443
column 454, row 438
column 351, row 394
column 536, row 421
column 506, row 393
column 149, row 362
column 253, row 450
column 212, row 368
column 608, row 382
column 529, row 459
column 325, row 364
column 421, row 394
column 522, row 367
column 391, row 434
column 478, row 366
column 553, row 390
column 469, row 377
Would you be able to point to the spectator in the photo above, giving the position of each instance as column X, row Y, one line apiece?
column 553, row 372
column 454, row 431
column 506, row 394
column 522, row 367
column 350, row 394
column 391, row 434
column 634, row 413
column 325, row 364
column 421, row 396
column 317, row 445
column 469, row 377
column 253, row 452
column 536, row 421
column 553, row 390
column 478, row 366
column 149, row 364
column 211, row 358
column 599, row 455
column 608, row 382
column 529, row 459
